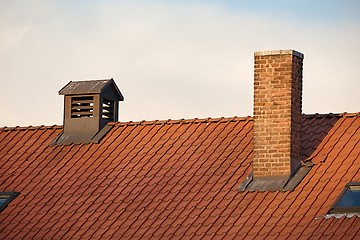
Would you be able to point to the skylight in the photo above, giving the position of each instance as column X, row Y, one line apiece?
column 6, row 198
column 349, row 200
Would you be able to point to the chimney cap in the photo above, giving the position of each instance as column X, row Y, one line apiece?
column 89, row 87
column 280, row 52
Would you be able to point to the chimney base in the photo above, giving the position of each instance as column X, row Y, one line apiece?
column 275, row 183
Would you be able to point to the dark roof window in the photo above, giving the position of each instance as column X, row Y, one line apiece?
column 349, row 200
column 6, row 198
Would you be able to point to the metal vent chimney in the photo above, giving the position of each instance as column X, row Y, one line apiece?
column 88, row 107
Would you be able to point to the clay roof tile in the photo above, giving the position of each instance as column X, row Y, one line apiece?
column 172, row 178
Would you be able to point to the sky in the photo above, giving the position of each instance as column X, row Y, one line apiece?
column 172, row 59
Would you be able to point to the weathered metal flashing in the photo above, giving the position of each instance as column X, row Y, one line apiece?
column 275, row 183
column 68, row 139
column 340, row 215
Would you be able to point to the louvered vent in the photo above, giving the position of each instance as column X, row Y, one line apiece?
column 88, row 108
column 82, row 107
column 108, row 109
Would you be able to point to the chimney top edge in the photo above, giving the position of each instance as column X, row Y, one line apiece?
column 279, row 52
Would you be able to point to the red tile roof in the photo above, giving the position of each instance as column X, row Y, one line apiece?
column 179, row 179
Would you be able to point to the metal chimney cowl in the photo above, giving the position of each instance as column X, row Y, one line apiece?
column 88, row 107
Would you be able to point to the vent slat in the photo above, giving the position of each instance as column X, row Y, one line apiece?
column 82, row 111
column 82, row 114
column 82, row 101
column 107, row 109
column 82, row 107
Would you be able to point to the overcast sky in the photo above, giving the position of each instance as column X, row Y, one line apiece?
column 172, row 59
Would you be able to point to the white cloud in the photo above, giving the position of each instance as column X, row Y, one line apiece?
column 169, row 60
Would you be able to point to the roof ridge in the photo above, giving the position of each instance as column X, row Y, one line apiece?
column 182, row 120
column 30, row 127
column 355, row 114
column 330, row 115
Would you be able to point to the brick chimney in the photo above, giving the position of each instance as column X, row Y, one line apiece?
column 277, row 114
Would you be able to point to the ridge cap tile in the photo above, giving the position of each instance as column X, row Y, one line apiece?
column 184, row 121
column 30, row 127
column 209, row 119
column 330, row 115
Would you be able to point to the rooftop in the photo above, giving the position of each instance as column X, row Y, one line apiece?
column 174, row 178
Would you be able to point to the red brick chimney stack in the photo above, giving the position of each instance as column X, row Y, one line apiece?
column 277, row 113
